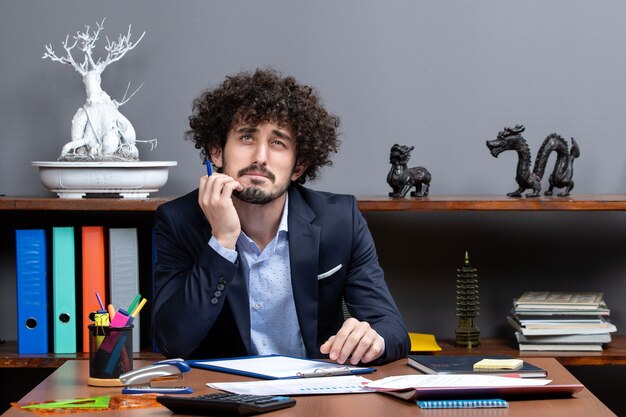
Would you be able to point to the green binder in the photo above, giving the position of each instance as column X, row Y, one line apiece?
column 64, row 290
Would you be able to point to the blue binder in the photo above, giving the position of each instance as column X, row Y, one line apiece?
column 32, row 308
column 64, row 316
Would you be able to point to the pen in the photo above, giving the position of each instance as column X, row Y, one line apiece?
column 209, row 170
column 100, row 301
column 322, row 372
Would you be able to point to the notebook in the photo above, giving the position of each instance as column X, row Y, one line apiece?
column 464, row 364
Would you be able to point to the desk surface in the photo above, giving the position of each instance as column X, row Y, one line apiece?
column 69, row 381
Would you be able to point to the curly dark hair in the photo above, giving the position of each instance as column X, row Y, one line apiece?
column 266, row 96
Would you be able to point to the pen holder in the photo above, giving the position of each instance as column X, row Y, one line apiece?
column 110, row 354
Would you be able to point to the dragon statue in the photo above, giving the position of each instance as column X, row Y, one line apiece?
column 401, row 178
column 510, row 139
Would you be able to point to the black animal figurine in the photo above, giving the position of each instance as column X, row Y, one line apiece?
column 561, row 177
column 401, row 178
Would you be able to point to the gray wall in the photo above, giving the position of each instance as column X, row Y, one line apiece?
column 443, row 76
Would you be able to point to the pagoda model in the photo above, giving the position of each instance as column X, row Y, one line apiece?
column 467, row 305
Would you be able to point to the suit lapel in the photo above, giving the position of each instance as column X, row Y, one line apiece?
column 304, row 240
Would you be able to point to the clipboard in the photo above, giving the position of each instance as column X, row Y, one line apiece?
column 278, row 367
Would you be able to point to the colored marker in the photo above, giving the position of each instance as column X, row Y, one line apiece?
column 209, row 170
column 100, row 301
column 111, row 310
column 132, row 306
column 134, row 314
column 120, row 319
column 139, row 307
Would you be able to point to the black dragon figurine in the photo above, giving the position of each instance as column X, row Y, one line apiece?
column 561, row 177
column 401, row 178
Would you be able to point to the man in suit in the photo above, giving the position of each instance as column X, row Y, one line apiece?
column 252, row 262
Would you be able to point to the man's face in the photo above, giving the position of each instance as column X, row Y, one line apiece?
column 262, row 158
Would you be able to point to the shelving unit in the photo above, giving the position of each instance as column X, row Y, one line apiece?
column 22, row 210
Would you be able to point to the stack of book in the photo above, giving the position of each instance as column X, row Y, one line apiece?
column 561, row 321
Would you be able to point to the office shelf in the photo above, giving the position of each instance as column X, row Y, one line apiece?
column 21, row 211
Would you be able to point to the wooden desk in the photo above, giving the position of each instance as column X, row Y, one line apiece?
column 69, row 381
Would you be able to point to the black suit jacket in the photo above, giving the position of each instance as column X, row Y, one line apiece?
column 201, row 307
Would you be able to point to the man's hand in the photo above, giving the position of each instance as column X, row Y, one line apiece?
column 355, row 340
column 215, row 200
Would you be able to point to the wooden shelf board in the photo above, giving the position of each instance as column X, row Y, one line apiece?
column 580, row 202
column 83, row 204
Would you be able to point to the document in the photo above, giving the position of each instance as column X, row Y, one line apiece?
column 413, row 387
column 350, row 384
column 424, row 381
column 279, row 367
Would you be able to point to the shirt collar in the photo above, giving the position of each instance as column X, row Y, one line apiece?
column 281, row 233
column 283, row 225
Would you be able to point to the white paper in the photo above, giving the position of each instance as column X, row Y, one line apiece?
column 281, row 366
column 302, row 386
column 423, row 381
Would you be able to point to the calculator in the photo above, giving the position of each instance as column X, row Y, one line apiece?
column 225, row 404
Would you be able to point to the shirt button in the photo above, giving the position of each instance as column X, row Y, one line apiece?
column 257, row 306
column 217, row 293
column 220, row 287
column 223, row 280
column 214, row 300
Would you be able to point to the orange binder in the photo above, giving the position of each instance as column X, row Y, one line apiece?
column 93, row 275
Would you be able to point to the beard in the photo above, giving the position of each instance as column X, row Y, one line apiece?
column 255, row 195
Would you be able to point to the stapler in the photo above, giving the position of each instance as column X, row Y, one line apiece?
column 139, row 381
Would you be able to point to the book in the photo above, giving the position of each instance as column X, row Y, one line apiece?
column 93, row 253
column 545, row 330
column 557, row 347
column 469, row 403
column 542, row 311
column 558, row 319
column 278, row 367
column 124, row 272
column 32, row 291
column 565, row 338
column 560, row 298
column 464, row 364
column 546, row 301
column 63, row 290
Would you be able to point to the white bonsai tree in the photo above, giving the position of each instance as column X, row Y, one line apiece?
column 99, row 131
